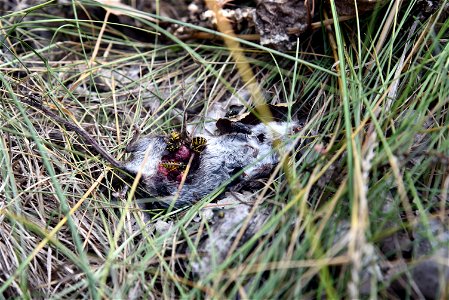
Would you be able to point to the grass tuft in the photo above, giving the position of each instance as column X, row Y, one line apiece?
column 372, row 163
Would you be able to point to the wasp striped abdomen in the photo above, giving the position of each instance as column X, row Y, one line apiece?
column 173, row 165
column 174, row 141
column 198, row 144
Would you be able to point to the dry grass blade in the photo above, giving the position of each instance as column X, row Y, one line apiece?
column 358, row 208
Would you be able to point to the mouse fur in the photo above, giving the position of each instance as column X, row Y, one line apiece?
column 223, row 157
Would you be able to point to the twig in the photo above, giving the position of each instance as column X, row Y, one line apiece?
column 256, row 37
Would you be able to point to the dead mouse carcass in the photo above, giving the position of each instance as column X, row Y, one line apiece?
column 225, row 156
column 178, row 171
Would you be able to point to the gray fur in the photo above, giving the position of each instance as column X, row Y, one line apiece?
column 223, row 157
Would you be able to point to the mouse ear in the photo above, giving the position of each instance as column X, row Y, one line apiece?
column 228, row 126
column 224, row 125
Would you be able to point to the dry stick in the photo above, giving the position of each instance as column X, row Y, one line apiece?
column 385, row 31
column 256, row 37
column 387, row 26
column 99, row 38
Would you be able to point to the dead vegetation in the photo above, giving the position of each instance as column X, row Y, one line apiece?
column 359, row 209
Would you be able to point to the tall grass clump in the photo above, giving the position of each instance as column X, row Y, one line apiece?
column 372, row 160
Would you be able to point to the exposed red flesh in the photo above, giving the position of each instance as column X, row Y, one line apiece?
column 183, row 154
